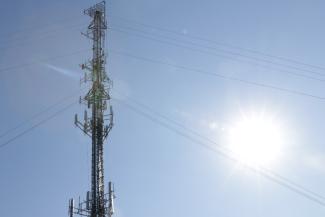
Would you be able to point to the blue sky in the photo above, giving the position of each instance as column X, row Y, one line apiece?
column 156, row 171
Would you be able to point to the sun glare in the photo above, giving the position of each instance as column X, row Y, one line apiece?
column 256, row 141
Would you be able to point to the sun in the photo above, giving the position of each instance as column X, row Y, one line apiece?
column 256, row 140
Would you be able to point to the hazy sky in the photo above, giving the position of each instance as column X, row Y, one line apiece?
column 156, row 171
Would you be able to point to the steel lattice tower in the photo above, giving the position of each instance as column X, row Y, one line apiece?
column 98, row 203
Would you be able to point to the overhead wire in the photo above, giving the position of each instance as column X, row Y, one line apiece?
column 2, row 135
column 43, row 121
column 232, row 58
column 218, row 43
column 40, row 113
column 36, row 61
column 312, row 196
column 271, row 176
column 206, row 47
column 222, row 76
column 36, row 27
column 222, row 149
column 291, row 187
column 46, row 35
column 284, row 181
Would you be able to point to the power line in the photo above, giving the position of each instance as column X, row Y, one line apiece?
column 216, row 145
column 2, row 145
column 224, row 51
column 226, row 77
column 271, row 176
column 37, row 27
column 42, row 60
column 295, row 188
column 183, row 134
column 200, row 38
column 207, row 47
column 46, row 35
column 232, row 58
column 38, row 114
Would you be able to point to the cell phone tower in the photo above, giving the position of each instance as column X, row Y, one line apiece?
column 99, row 124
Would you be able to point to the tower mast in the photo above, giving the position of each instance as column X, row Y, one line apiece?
column 99, row 124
